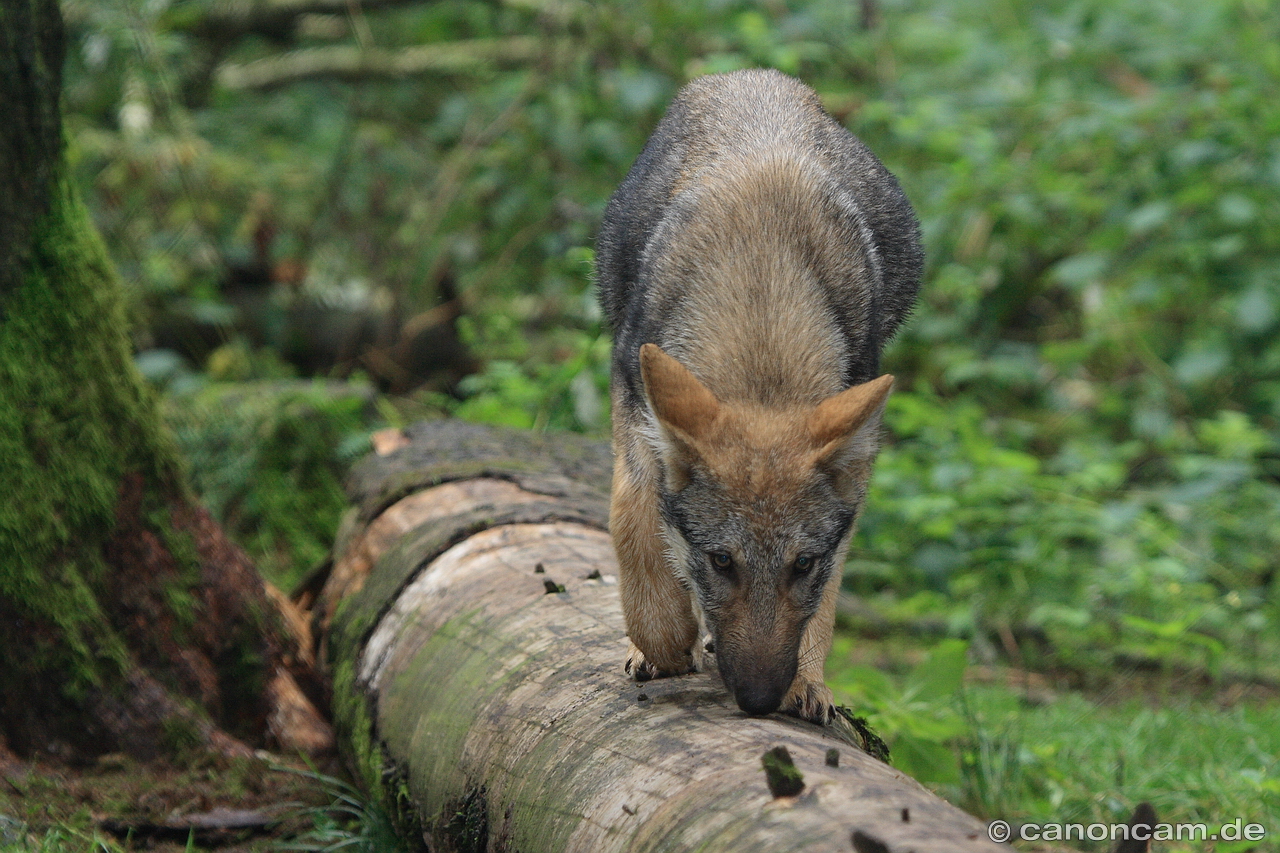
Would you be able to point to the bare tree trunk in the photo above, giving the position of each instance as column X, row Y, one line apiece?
column 477, row 643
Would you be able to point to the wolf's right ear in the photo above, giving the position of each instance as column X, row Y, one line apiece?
column 686, row 410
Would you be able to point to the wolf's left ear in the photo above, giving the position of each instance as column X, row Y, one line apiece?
column 845, row 428
column 682, row 403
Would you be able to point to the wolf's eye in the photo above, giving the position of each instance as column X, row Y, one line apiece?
column 721, row 561
column 803, row 564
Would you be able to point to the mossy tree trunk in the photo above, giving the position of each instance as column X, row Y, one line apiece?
column 476, row 642
column 128, row 622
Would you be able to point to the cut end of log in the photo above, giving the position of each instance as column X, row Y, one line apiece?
column 388, row 441
column 781, row 773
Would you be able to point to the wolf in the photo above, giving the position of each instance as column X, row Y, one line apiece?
column 751, row 265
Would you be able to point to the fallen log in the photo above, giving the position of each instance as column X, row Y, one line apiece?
column 476, row 642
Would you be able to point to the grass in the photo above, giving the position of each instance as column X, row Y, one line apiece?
column 1014, row 746
column 45, row 809
column 1083, row 760
column 17, row 838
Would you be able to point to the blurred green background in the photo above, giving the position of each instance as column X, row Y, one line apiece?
column 333, row 216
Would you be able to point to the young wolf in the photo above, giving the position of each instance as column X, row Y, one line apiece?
column 752, row 265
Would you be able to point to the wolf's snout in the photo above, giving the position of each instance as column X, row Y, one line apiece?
column 758, row 700
column 758, row 691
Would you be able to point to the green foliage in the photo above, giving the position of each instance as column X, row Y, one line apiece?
column 268, row 460
column 569, row 395
column 917, row 715
column 1101, row 236
column 348, row 822
column 960, row 520
column 1088, row 443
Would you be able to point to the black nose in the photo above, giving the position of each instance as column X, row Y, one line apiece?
column 758, row 700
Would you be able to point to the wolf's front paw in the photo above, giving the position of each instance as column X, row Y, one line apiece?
column 642, row 669
column 809, row 700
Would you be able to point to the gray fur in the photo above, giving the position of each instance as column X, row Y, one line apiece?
column 714, row 126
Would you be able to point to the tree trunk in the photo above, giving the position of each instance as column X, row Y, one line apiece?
column 128, row 622
column 476, row 643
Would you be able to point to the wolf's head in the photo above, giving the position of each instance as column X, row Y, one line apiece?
column 757, row 506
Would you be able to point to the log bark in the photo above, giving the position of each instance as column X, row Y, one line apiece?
column 476, row 643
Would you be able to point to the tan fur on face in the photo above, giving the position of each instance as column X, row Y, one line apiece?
column 764, row 459
column 753, row 449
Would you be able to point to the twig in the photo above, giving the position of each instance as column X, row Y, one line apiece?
column 349, row 62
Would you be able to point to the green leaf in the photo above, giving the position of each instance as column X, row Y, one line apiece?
column 928, row 761
column 941, row 674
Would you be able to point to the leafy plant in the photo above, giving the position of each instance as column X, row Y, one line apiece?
column 917, row 714
column 269, row 460
column 1063, row 552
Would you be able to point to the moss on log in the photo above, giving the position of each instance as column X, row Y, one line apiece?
column 492, row 712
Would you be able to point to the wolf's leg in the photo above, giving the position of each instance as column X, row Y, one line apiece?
column 809, row 697
column 657, row 609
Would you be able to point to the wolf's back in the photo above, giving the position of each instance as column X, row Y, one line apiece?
column 716, row 125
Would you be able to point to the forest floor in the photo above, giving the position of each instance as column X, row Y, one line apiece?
column 233, row 805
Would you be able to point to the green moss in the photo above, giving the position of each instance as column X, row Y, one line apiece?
column 74, row 419
column 384, row 781
column 351, row 715
column 468, row 825
column 780, row 771
column 380, row 780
